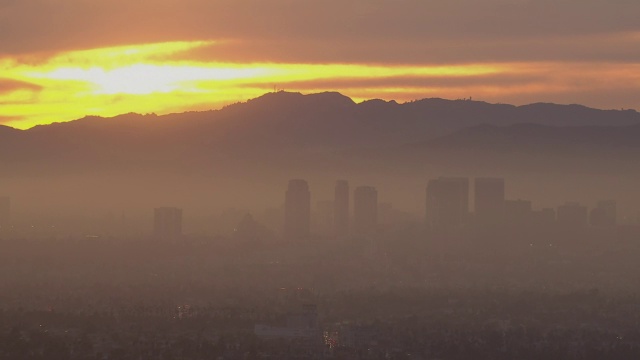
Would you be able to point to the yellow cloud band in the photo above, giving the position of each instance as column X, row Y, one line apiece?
column 148, row 78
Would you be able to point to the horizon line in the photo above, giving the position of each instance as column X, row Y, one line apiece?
column 470, row 99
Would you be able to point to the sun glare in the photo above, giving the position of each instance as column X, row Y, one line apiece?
column 148, row 78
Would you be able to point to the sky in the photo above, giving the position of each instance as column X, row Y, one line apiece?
column 63, row 59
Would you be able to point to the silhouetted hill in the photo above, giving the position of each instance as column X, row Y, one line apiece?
column 291, row 129
column 297, row 101
column 7, row 130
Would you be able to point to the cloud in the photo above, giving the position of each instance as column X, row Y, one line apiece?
column 371, row 31
column 417, row 82
column 617, row 47
column 63, row 59
column 10, row 85
column 10, row 119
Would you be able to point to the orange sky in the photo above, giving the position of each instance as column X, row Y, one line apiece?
column 62, row 62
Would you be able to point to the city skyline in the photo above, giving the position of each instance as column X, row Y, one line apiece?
column 448, row 207
column 336, row 179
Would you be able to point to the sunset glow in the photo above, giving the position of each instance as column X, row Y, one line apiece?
column 156, row 78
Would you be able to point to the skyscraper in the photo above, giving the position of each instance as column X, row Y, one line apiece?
column 447, row 203
column 489, row 201
column 5, row 211
column 297, row 210
column 167, row 223
column 365, row 211
column 341, row 209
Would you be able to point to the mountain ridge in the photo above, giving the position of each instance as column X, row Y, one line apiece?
column 295, row 130
column 324, row 98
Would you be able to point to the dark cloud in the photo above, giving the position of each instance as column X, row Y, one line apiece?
column 582, row 51
column 503, row 80
column 407, row 31
column 10, row 85
column 619, row 47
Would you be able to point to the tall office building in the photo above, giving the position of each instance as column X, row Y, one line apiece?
column 297, row 210
column 341, row 209
column 365, row 211
column 489, row 201
column 605, row 214
column 167, row 223
column 447, row 203
column 572, row 215
column 5, row 211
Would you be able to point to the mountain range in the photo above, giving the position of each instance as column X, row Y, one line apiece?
column 284, row 129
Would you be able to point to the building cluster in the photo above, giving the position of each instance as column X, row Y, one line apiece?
column 447, row 207
column 451, row 203
column 297, row 213
column 297, row 210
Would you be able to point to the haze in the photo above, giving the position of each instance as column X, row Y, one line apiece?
column 289, row 179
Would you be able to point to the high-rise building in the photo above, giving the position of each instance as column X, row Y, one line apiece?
column 572, row 215
column 365, row 211
column 605, row 214
column 489, row 201
column 5, row 211
column 341, row 209
column 297, row 210
column 447, row 204
column 167, row 223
